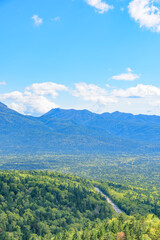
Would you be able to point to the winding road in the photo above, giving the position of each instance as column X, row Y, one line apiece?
column 117, row 209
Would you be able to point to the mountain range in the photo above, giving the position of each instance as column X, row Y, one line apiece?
column 78, row 132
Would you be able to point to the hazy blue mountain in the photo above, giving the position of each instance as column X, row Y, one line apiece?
column 123, row 125
column 77, row 131
column 77, row 116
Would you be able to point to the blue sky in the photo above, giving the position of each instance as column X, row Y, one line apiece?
column 94, row 54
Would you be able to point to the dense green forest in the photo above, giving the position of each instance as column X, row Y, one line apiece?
column 130, row 169
column 131, row 199
column 133, row 179
column 49, row 205
column 141, row 171
column 46, row 204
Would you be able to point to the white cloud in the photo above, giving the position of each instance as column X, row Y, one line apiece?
column 36, row 99
column 144, row 99
column 46, row 88
column 99, row 5
column 2, row 83
column 155, row 104
column 129, row 76
column 32, row 104
column 139, row 91
column 146, row 13
column 37, row 20
column 93, row 93
column 39, row 98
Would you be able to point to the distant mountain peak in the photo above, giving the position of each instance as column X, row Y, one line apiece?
column 67, row 112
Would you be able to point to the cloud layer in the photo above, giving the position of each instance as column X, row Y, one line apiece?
column 146, row 13
column 144, row 99
column 139, row 91
column 93, row 93
column 36, row 99
column 39, row 98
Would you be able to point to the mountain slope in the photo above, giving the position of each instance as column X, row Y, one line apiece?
column 121, row 125
column 36, row 204
column 25, row 134
column 77, row 131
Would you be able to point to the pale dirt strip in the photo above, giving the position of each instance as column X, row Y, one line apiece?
column 109, row 201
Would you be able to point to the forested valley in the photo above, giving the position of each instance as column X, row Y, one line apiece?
column 50, row 205
column 50, row 166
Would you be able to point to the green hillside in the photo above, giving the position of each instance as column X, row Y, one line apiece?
column 44, row 203
column 36, row 205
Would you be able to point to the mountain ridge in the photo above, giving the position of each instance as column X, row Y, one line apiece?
column 77, row 131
